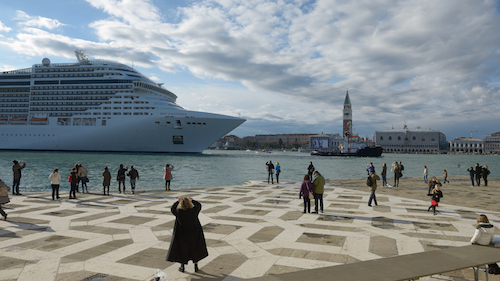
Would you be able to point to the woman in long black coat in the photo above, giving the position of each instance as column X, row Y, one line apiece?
column 188, row 240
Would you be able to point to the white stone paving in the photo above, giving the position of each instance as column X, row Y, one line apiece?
column 265, row 235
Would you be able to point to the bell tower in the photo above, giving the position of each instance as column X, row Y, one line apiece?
column 347, row 125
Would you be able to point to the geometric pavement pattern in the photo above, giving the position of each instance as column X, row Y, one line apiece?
column 252, row 230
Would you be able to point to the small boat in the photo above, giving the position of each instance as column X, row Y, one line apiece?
column 368, row 151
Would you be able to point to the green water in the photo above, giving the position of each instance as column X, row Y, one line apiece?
column 223, row 168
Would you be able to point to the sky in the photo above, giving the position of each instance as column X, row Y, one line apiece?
column 285, row 66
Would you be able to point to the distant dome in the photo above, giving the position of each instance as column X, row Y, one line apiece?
column 46, row 62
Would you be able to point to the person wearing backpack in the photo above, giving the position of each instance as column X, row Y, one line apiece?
column 371, row 181
column 168, row 176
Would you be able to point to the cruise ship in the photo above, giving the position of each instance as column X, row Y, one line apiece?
column 99, row 105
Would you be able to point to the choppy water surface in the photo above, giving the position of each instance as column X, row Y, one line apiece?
column 222, row 168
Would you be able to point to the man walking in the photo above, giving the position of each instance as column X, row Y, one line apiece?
column 319, row 187
column 16, row 173
column 134, row 176
column 374, row 177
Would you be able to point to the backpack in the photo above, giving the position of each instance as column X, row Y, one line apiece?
column 493, row 269
column 369, row 181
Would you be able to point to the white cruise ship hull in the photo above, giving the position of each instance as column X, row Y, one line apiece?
column 123, row 134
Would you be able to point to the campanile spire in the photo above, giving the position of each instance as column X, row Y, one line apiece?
column 347, row 124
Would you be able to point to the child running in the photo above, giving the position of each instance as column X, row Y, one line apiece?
column 436, row 196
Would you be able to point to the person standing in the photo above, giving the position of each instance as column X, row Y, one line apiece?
column 485, row 174
column 401, row 168
column 436, row 197
column 374, row 177
column 310, row 170
column 82, row 175
column 106, row 180
column 479, row 171
column 397, row 174
column 270, row 171
column 168, row 176
column 434, row 181
column 17, row 175
column 4, row 197
column 74, row 181
column 55, row 180
column 77, row 166
column 384, row 175
column 426, row 174
column 188, row 241
column 472, row 172
column 369, row 168
column 134, row 176
column 120, row 177
column 278, row 171
column 319, row 188
column 305, row 189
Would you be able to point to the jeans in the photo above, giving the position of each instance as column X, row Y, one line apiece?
column 270, row 175
column 84, row 183
column 472, row 179
column 318, row 197
column 132, row 184
column 307, row 204
column 372, row 197
column 120, row 182
column 15, row 186
column 384, row 180
column 72, row 192
column 55, row 191
column 425, row 179
column 478, row 180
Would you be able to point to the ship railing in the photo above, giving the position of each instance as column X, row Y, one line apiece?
column 18, row 71
column 87, row 62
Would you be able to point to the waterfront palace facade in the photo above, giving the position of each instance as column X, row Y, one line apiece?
column 411, row 141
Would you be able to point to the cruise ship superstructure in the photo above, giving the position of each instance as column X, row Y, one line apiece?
column 99, row 105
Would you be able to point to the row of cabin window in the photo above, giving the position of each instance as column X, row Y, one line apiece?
column 406, row 139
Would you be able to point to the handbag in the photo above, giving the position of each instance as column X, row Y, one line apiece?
column 311, row 196
column 70, row 179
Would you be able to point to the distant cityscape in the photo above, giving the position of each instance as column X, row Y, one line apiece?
column 393, row 140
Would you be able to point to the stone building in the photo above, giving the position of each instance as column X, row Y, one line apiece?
column 467, row 145
column 411, row 141
column 492, row 143
column 284, row 139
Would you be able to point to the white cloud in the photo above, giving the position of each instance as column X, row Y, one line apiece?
column 433, row 64
column 4, row 28
column 39, row 22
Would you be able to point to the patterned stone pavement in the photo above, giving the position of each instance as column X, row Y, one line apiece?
column 252, row 230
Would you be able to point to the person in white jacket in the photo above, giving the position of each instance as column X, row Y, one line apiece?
column 484, row 231
column 55, row 179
